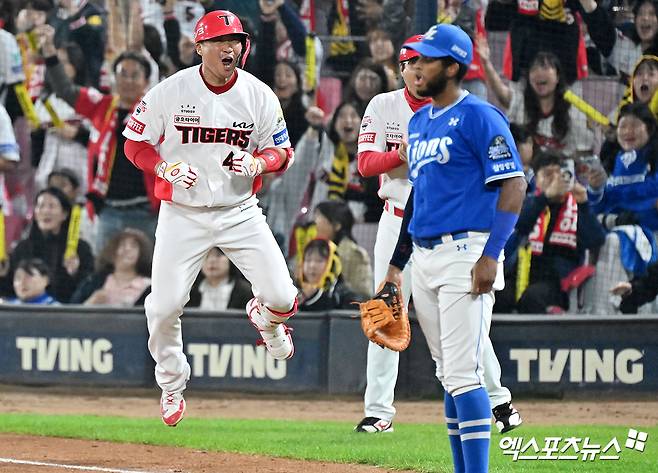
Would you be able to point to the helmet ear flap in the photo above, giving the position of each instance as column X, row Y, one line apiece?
column 246, row 49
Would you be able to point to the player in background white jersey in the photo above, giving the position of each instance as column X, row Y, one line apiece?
column 209, row 132
column 383, row 151
column 8, row 158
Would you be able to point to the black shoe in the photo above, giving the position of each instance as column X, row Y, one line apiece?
column 373, row 425
column 507, row 417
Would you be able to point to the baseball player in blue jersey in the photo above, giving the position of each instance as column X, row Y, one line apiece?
column 467, row 190
column 383, row 151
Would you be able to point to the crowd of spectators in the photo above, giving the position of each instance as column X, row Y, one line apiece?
column 79, row 218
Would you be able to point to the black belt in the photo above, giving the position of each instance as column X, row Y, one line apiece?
column 445, row 238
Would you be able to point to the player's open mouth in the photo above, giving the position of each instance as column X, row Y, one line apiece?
column 644, row 88
column 227, row 62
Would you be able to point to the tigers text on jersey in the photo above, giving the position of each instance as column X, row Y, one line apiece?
column 193, row 124
column 454, row 154
column 383, row 127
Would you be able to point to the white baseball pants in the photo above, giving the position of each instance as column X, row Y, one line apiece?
column 382, row 363
column 183, row 238
column 455, row 322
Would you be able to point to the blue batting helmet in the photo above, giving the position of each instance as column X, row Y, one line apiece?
column 445, row 40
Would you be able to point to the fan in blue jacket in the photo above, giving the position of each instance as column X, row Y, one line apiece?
column 629, row 194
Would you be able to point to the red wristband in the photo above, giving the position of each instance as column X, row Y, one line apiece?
column 272, row 158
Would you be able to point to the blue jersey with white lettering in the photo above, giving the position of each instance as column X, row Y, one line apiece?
column 457, row 154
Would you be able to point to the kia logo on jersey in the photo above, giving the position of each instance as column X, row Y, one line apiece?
column 200, row 134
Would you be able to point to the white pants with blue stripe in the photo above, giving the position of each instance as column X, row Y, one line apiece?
column 454, row 321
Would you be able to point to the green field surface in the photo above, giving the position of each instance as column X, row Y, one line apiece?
column 419, row 447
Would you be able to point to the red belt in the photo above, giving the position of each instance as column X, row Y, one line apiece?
column 397, row 211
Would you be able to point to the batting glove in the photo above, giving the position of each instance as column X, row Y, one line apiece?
column 243, row 164
column 178, row 173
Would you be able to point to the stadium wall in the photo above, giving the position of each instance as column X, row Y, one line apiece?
column 540, row 355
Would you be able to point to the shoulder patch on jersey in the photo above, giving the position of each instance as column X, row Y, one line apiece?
column 367, row 137
column 281, row 136
column 140, row 108
column 498, row 148
column 504, row 167
column 135, row 125
column 365, row 122
column 280, row 125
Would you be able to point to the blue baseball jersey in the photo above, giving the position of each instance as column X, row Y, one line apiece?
column 457, row 154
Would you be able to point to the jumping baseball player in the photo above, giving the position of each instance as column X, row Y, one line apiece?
column 209, row 132
column 468, row 188
column 383, row 151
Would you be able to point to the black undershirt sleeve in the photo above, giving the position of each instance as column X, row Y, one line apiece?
column 404, row 246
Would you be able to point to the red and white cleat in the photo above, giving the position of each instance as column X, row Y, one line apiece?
column 172, row 408
column 275, row 336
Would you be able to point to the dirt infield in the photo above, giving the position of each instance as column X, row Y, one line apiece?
column 142, row 458
column 146, row 458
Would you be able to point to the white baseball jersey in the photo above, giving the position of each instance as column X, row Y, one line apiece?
column 11, row 64
column 383, row 127
column 193, row 124
column 8, row 149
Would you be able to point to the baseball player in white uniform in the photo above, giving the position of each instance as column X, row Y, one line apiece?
column 11, row 64
column 9, row 157
column 383, row 150
column 209, row 131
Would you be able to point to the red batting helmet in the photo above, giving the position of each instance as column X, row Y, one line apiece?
column 220, row 23
column 406, row 53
